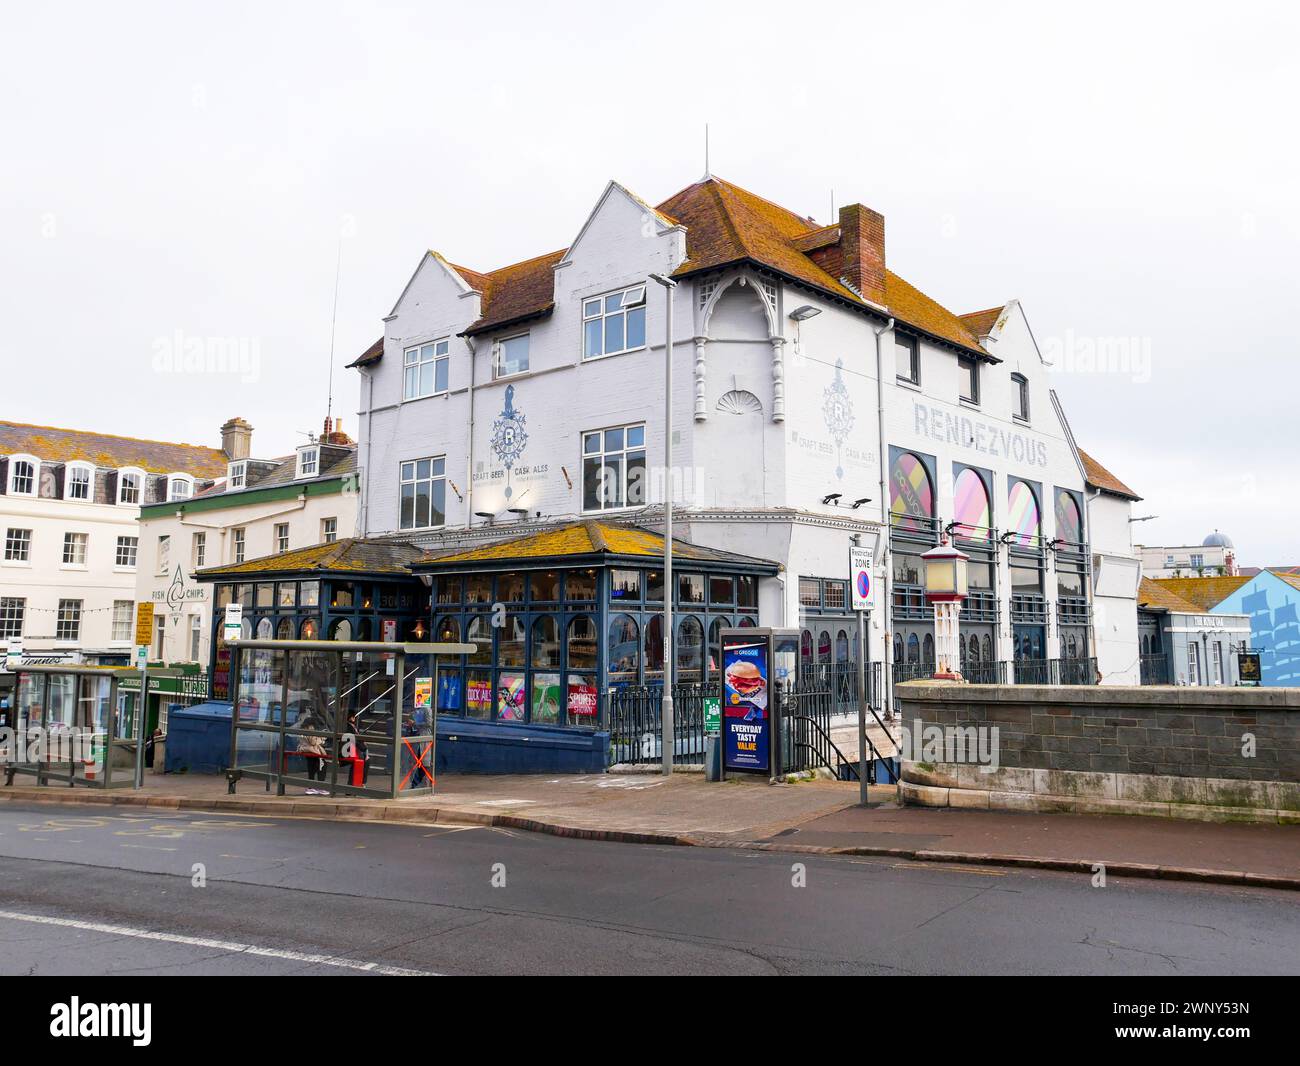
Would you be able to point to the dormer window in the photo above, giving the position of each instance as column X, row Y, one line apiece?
column 130, row 486
column 179, row 487
column 79, row 481
column 308, row 461
column 237, row 475
column 23, row 471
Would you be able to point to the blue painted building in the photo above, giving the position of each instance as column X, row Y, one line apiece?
column 1271, row 601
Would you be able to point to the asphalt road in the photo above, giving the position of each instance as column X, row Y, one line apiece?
column 94, row 890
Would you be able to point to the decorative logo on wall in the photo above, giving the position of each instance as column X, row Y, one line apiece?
column 837, row 410
column 509, row 437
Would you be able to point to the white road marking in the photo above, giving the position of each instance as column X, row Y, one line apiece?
column 219, row 945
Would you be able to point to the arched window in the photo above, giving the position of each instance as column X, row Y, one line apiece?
column 746, row 622
column 974, row 645
column 898, row 648
column 654, row 648
column 447, row 630
column 310, row 629
column 988, row 649
column 842, row 646
column 1023, row 518
column 970, row 504
column 340, row 629
column 479, row 632
column 624, row 649
column 24, row 475
column 582, row 643
column 911, row 495
column 714, row 662
column 130, row 486
column 546, row 642
column 690, row 650
column 179, row 487
column 805, row 648
column 927, row 649
column 284, row 629
column 511, row 642
column 913, row 649
column 1069, row 522
column 265, row 629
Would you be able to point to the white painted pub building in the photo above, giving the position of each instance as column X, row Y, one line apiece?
column 816, row 397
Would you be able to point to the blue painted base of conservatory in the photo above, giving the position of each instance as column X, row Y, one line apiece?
column 469, row 747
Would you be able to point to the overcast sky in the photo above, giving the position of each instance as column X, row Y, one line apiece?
column 175, row 173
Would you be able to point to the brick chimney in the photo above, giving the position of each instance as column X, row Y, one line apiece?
column 333, row 433
column 236, row 439
column 862, row 246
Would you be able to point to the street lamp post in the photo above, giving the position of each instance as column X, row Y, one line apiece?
column 667, row 742
column 945, row 588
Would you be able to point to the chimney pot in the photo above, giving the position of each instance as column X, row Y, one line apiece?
column 237, row 439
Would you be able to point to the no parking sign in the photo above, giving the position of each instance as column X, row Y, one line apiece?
column 860, row 577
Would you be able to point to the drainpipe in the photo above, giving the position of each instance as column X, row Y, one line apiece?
column 469, row 449
column 364, row 510
column 886, row 666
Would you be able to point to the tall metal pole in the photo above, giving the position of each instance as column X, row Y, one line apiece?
column 862, row 706
column 667, row 742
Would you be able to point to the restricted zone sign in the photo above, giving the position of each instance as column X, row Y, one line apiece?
column 860, row 577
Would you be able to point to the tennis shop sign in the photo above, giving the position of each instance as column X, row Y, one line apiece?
column 987, row 438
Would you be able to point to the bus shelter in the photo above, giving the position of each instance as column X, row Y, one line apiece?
column 352, row 718
column 72, row 725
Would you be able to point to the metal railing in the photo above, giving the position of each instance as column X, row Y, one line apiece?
column 1081, row 671
column 636, row 724
column 1154, row 669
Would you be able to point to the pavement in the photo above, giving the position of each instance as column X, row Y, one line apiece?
column 118, row 890
column 810, row 817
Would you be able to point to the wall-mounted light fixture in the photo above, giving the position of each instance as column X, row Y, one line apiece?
column 804, row 312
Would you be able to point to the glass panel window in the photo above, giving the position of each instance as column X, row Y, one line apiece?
column 196, row 635
column 479, row 633
column 79, row 480
column 969, row 373
column 512, row 356
column 613, row 468
column 582, row 643
column 836, row 593
column 240, row 543
column 237, row 475
column 74, row 549
column 22, row 478
column 624, row 650
column 308, row 462
column 425, row 369
column 690, row 650
column 18, row 545
column 128, row 487
column 810, row 592
column 722, row 590
column 179, row 488
column 510, row 588
column 544, row 586
column 478, row 588
column 423, row 493
column 286, row 594
column 654, row 586
column 690, row 589
column 68, row 622
column 12, row 610
column 747, row 588
column 282, row 536
column 580, row 585
column 447, row 589
column 907, row 358
column 126, row 552
column 199, row 550
column 309, row 594
column 1020, row 397
column 546, row 643
column 329, row 530
column 614, row 323
column 511, row 642
column 625, row 584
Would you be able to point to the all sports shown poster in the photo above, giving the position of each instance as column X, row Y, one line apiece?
column 746, row 721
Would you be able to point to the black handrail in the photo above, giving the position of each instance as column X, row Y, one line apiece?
column 822, row 755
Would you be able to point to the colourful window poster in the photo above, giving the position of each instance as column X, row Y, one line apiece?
column 423, row 693
column 971, row 506
column 478, row 694
column 1069, row 523
column 510, row 698
column 583, row 700
column 746, row 733
column 1022, row 513
column 546, row 699
column 911, row 496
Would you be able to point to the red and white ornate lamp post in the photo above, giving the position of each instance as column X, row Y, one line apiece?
column 945, row 587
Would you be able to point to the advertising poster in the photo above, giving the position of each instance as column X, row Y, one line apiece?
column 510, row 698
column 746, row 723
column 582, row 700
column 478, row 695
column 423, row 693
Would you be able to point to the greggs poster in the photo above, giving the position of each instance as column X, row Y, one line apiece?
column 746, row 723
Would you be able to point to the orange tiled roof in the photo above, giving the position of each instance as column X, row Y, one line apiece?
column 1204, row 592
column 1153, row 594
column 1100, row 478
column 981, row 323
column 110, row 452
column 724, row 224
